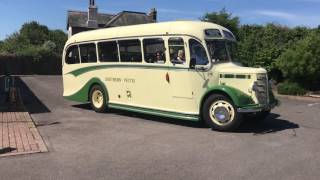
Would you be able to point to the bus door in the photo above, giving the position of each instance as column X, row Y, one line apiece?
column 179, row 75
column 156, row 90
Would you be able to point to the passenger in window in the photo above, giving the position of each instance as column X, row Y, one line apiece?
column 181, row 56
column 159, row 57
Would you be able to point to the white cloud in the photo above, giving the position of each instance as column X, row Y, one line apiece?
column 277, row 14
column 179, row 12
column 291, row 19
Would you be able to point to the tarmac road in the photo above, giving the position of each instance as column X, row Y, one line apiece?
column 122, row 145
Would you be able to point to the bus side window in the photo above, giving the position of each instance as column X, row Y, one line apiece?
column 88, row 53
column 197, row 53
column 130, row 51
column 154, row 50
column 72, row 56
column 108, row 51
column 177, row 51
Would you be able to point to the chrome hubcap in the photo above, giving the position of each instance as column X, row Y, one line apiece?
column 222, row 113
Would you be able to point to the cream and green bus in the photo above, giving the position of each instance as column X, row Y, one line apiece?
column 184, row 70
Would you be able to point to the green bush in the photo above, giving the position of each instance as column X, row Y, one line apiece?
column 289, row 88
column 301, row 62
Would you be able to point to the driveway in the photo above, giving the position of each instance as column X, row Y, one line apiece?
column 120, row 145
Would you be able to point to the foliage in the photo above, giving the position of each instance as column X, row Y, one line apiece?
column 59, row 38
column 223, row 18
column 260, row 46
column 301, row 62
column 13, row 43
column 287, row 53
column 34, row 40
column 288, row 88
column 49, row 45
column 34, row 33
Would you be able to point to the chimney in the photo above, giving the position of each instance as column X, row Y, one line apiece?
column 153, row 14
column 92, row 15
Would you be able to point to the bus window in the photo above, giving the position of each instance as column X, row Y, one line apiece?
column 154, row 50
column 72, row 55
column 88, row 53
column 130, row 51
column 198, row 53
column 177, row 52
column 108, row 51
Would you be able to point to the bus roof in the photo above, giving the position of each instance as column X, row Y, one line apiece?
column 192, row 28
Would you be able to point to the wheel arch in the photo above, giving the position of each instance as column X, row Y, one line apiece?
column 82, row 95
column 237, row 97
column 97, row 81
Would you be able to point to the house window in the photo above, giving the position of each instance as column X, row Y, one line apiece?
column 154, row 50
column 88, row 53
column 108, row 51
column 130, row 51
column 72, row 56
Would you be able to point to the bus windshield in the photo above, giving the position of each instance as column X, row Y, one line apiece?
column 222, row 50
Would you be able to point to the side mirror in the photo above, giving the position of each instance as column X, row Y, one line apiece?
column 193, row 62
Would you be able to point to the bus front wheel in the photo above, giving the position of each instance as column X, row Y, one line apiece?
column 98, row 99
column 220, row 113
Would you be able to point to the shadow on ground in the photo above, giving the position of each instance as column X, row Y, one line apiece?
column 272, row 124
column 6, row 150
column 32, row 103
column 147, row 117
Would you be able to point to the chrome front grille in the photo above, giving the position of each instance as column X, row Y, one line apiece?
column 262, row 89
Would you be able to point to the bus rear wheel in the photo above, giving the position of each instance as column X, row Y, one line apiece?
column 98, row 99
column 220, row 113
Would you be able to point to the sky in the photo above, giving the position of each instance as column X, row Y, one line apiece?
column 53, row 13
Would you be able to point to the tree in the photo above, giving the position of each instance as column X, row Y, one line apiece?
column 1, row 45
column 35, row 33
column 301, row 62
column 261, row 46
column 14, row 43
column 59, row 38
column 35, row 40
column 223, row 18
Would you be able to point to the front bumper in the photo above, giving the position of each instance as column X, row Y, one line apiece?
column 258, row 108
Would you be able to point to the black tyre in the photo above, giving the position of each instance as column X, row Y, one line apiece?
column 220, row 114
column 98, row 99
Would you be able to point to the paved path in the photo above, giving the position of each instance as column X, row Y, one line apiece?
column 18, row 135
column 118, row 145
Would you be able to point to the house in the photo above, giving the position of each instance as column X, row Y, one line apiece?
column 79, row 21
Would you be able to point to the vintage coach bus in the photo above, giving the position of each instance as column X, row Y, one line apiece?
column 184, row 70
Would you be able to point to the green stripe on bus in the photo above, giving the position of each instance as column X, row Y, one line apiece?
column 99, row 67
column 83, row 94
column 239, row 98
column 169, row 114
